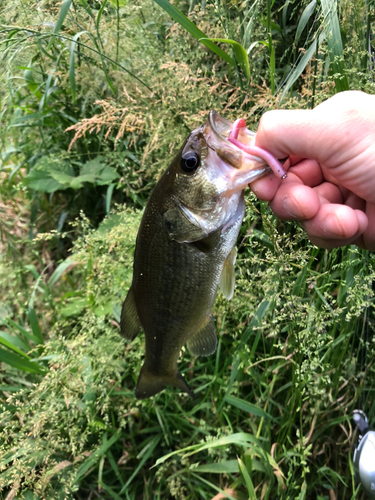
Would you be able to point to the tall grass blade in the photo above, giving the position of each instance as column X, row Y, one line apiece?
column 146, row 453
column 240, row 54
column 34, row 323
column 108, row 198
column 95, row 456
column 243, row 439
column 301, row 66
column 190, row 27
column 304, row 19
column 247, row 407
column 15, row 326
column 72, row 77
column 14, row 344
column 336, row 51
column 225, row 467
column 98, row 17
column 247, row 478
column 59, row 271
column 19, row 362
column 270, row 46
column 221, row 493
column 62, row 15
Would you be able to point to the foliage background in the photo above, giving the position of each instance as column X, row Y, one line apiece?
column 96, row 98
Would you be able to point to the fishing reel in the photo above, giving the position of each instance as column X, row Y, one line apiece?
column 364, row 454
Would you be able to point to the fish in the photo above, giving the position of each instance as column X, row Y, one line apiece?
column 185, row 249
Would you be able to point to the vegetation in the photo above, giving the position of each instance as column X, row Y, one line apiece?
column 96, row 98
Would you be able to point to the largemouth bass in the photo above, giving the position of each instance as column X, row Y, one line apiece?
column 185, row 249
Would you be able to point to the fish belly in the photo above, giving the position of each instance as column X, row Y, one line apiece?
column 175, row 285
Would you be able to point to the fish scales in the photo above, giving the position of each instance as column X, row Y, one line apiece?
column 184, row 247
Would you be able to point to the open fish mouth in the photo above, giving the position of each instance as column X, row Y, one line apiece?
column 235, row 144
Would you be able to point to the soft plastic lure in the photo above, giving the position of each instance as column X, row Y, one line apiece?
column 273, row 162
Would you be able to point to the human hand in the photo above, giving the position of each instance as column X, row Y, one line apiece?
column 330, row 187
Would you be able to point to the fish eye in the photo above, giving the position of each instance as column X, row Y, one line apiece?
column 190, row 163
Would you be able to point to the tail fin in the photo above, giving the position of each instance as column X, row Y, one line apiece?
column 149, row 384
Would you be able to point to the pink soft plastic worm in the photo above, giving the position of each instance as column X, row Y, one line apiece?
column 273, row 162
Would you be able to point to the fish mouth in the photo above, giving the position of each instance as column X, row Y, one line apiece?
column 235, row 144
column 217, row 132
column 222, row 128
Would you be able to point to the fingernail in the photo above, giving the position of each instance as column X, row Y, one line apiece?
column 291, row 208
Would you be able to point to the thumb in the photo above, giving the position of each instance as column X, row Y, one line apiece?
column 291, row 132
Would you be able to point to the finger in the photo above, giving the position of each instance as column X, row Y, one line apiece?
column 328, row 192
column 369, row 234
column 354, row 201
column 308, row 171
column 294, row 201
column 335, row 225
column 266, row 187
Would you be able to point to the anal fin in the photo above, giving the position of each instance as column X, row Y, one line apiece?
column 130, row 323
column 204, row 342
column 227, row 278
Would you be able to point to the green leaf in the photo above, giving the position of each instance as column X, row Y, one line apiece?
column 192, row 29
column 225, row 467
column 41, row 182
column 62, row 15
column 74, row 306
column 31, row 83
column 61, row 177
column 108, row 198
column 247, row 407
column 77, row 182
column 19, row 362
column 59, row 271
column 49, row 174
column 34, row 323
column 14, row 343
column 107, row 175
column 93, row 167
column 240, row 53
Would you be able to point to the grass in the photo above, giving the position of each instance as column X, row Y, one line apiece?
column 272, row 412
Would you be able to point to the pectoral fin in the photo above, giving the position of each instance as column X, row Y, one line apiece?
column 208, row 243
column 130, row 324
column 227, row 277
column 182, row 226
column 204, row 342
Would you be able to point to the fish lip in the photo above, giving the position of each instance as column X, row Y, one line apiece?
column 223, row 127
column 217, row 132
